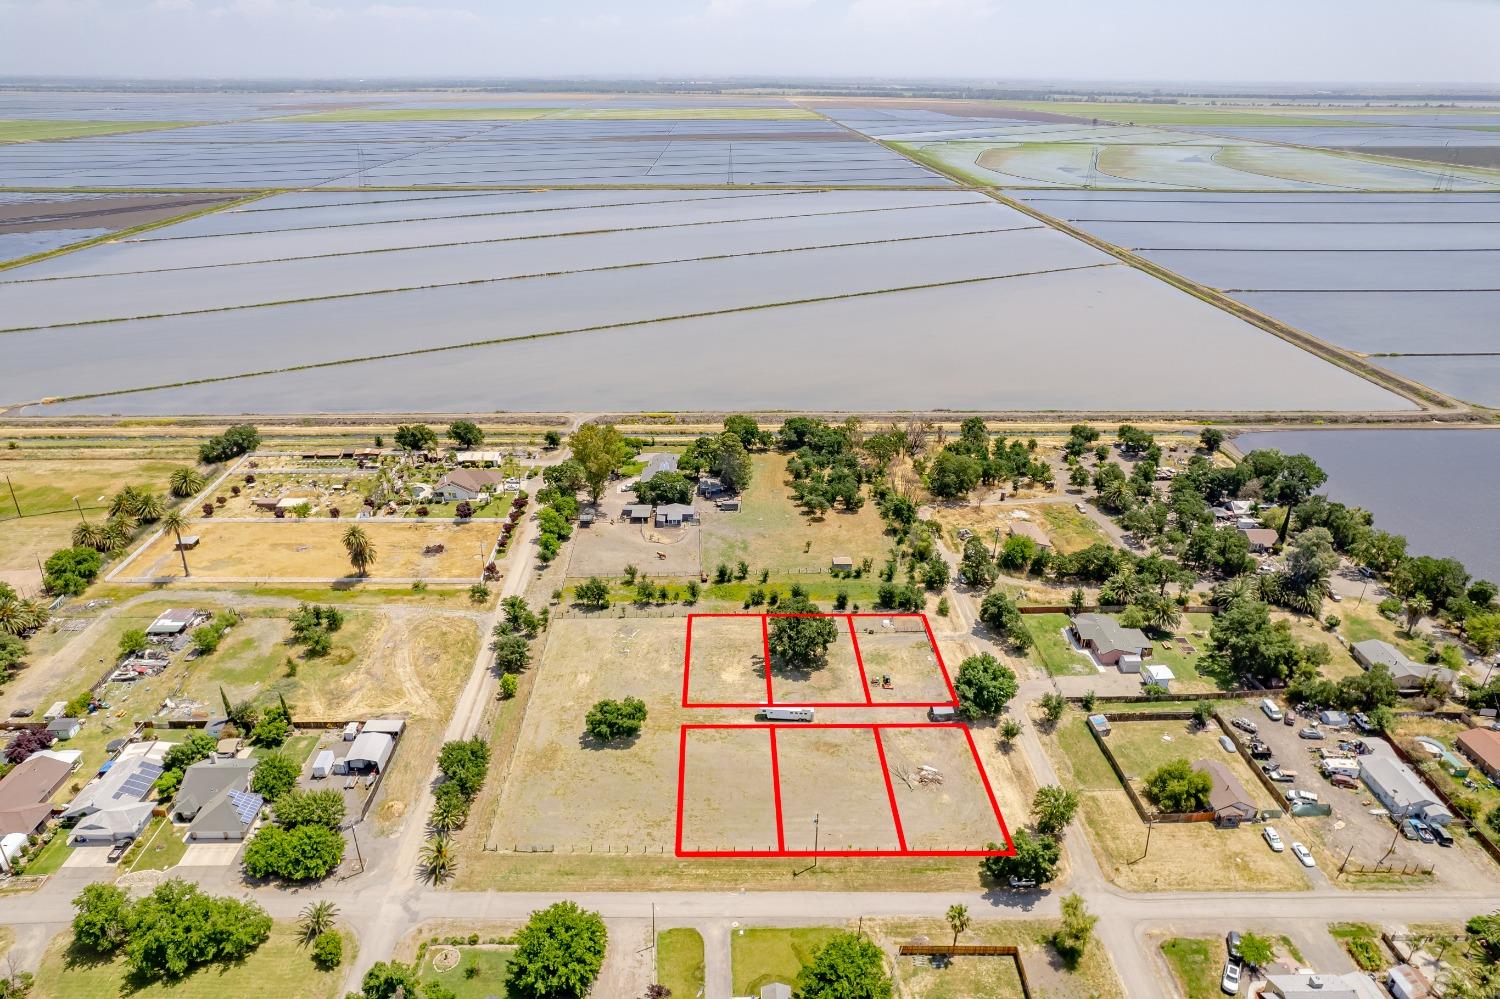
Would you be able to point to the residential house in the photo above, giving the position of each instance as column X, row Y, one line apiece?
column 1482, row 745
column 115, row 823
column 1228, row 799
column 1401, row 791
column 26, row 793
column 656, row 463
column 480, row 457
column 1315, row 985
column 1261, row 539
column 126, row 779
column 1409, row 676
column 1110, row 643
column 215, row 798
column 467, row 484
column 1026, row 529
column 675, row 515
column 710, row 487
column 1233, row 510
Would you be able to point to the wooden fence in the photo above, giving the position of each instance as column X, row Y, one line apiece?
column 1147, row 814
column 971, row 950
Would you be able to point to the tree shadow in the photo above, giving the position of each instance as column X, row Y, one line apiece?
column 593, row 745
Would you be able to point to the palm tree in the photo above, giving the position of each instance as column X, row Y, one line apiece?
column 958, row 920
column 1161, row 614
column 149, row 508
column 173, row 522
column 1417, row 608
column 318, row 918
column 361, row 551
column 186, row 481
column 448, row 814
column 87, row 535
column 117, row 532
column 438, row 860
column 126, row 501
column 18, row 617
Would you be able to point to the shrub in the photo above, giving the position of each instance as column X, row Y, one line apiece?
column 69, row 571
column 608, row 721
column 328, row 950
column 301, row 853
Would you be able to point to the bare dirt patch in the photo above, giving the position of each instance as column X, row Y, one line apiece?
column 834, row 775
column 728, row 660
column 728, row 801
column 908, row 658
column 941, row 798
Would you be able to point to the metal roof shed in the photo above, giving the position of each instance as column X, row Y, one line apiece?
column 371, row 751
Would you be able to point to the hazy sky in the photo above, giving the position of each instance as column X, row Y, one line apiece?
column 1222, row 40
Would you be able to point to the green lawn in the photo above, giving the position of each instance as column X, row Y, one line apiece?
column 159, row 848
column 34, row 130
column 1197, row 963
column 679, row 962
column 492, row 962
column 51, row 857
column 281, row 967
column 1183, row 664
column 760, row 957
column 298, row 748
column 1090, row 768
column 1052, row 651
column 1069, row 530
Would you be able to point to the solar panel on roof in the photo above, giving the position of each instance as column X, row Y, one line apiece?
column 247, row 805
column 139, row 782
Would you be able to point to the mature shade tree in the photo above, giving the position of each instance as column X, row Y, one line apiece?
column 385, row 980
column 558, row 953
column 69, row 571
column 360, row 548
column 1211, row 439
column 300, row 853
column 275, row 774
column 1001, row 615
column 186, row 481
column 733, row 465
column 466, row 434
column 102, row 918
column 1053, row 807
column 743, row 428
column 415, row 437
column 977, row 567
column 1256, row 951
column 1293, row 481
column 512, row 653
column 1246, row 644
column 610, row 721
column 985, row 686
column 237, row 440
column 665, row 487
column 1176, row 787
column 309, row 808
column 566, row 477
column 847, row 966
column 1036, row 859
column 800, row 638
column 177, row 928
column 953, row 474
column 592, row 592
column 599, row 448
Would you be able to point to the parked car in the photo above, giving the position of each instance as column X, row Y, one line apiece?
column 1245, row 725
column 1424, row 831
column 21, row 713
column 1022, row 884
column 118, row 850
column 1362, row 722
column 1273, row 839
column 1335, row 597
column 1259, row 750
column 1232, row 944
column 1304, row 855
column 1269, row 766
column 1229, row 982
column 1441, row 835
column 1270, row 708
column 1344, row 781
column 1284, row 776
column 1311, row 797
column 1289, row 719
column 1081, row 508
column 1311, row 732
column 1409, row 829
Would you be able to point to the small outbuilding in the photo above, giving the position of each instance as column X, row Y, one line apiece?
column 351, row 731
column 64, row 728
column 370, row 753
column 1482, row 745
column 1157, row 675
column 322, row 764
column 637, row 513
column 1026, row 529
column 842, row 563
column 173, row 621
column 729, row 504
column 1100, row 724
column 1260, row 539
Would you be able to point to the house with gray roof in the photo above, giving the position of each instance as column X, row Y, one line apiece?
column 1401, row 791
column 674, row 515
column 1227, row 798
column 1110, row 643
column 467, row 484
column 126, row 779
column 1317, row 985
column 119, row 822
column 1409, row 675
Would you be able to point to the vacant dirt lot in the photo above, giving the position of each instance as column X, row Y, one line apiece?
column 314, row 550
column 567, row 791
column 728, row 660
column 728, row 800
column 955, row 814
column 834, row 775
column 837, row 682
column 907, row 657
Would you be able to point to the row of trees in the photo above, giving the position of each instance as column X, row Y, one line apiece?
column 169, row 933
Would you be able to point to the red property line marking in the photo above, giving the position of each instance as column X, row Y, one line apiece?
column 859, row 660
column 776, row 789
column 890, row 789
column 1008, row 851
column 681, row 784
column 765, row 640
column 868, row 702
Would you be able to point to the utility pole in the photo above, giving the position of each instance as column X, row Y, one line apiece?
column 80, row 510
column 1346, row 858
column 816, row 827
column 13, row 496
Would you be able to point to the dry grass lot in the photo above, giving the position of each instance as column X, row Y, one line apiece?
column 728, row 660
column 563, row 789
column 771, row 532
column 314, row 550
column 907, row 657
column 735, row 814
column 837, row 682
column 834, row 775
column 953, row 815
column 344, row 489
column 1066, row 528
column 993, row 977
column 1186, row 857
